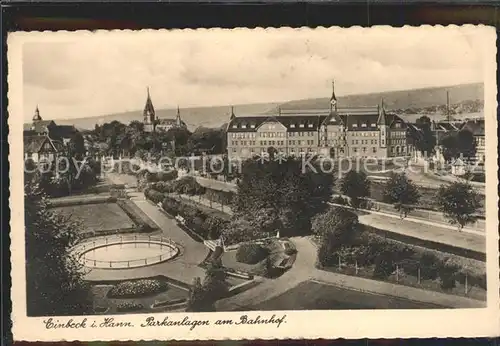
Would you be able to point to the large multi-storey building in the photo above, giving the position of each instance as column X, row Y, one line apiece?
column 334, row 132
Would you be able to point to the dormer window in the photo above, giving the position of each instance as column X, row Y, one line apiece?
column 252, row 126
column 243, row 126
column 310, row 125
column 363, row 125
column 301, row 125
column 398, row 125
column 292, row 126
column 235, row 126
column 374, row 125
column 354, row 125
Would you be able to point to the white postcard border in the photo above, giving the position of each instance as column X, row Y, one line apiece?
column 298, row 324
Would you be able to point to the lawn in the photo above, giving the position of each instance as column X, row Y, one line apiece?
column 311, row 295
column 97, row 217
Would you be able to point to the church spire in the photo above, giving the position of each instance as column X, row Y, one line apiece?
column 149, row 110
column 232, row 116
column 333, row 99
column 36, row 116
column 178, row 120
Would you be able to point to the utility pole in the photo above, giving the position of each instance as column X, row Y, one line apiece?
column 448, row 106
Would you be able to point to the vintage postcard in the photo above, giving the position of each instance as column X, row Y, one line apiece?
column 254, row 183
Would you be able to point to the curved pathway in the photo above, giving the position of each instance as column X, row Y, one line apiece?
column 305, row 269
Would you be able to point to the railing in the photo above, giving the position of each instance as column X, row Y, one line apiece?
column 171, row 250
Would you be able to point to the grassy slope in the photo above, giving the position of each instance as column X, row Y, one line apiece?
column 217, row 115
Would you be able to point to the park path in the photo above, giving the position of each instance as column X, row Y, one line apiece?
column 183, row 268
column 305, row 269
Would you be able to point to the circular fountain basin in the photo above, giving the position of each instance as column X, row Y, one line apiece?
column 130, row 254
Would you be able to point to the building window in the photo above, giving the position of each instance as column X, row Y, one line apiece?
column 398, row 125
column 301, row 125
column 292, row 126
column 374, row 125
column 243, row 126
column 310, row 125
column 364, row 149
column 363, row 125
column 235, row 126
column 355, row 150
column 234, row 150
column 374, row 149
column 252, row 126
column 354, row 125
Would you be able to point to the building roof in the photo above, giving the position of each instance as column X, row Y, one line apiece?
column 356, row 119
column 39, row 126
column 474, row 126
column 293, row 123
column 33, row 144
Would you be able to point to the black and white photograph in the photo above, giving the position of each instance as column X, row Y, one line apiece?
column 258, row 173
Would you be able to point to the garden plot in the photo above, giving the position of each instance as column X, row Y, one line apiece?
column 97, row 217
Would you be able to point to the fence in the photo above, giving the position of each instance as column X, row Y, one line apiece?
column 168, row 249
column 413, row 274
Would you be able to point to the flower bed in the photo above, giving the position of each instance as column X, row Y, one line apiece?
column 129, row 307
column 137, row 288
column 137, row 215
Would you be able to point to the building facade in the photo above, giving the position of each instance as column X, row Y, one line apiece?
column 476, row 127
column 349, row 132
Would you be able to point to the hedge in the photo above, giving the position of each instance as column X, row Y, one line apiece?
column 153, row 195
column 251, row 253
column 206, row 224
column 129, row 307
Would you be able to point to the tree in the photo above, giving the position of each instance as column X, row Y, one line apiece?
column 426, row 142
column 336, row 228
column 466, row 144
column 458, row 144
column 356, row 186
column 458, row 201
column 202, row 297
column 401, row 192
column 54, row 281
column 281, row 191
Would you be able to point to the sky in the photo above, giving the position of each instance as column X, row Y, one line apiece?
column 84, row 75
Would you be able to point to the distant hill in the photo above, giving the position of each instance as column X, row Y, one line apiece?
column 403, row 99
column 194, row 117
column 217, row 115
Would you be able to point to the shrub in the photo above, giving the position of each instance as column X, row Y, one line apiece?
column 171, row 205
column 129, row 307
column 384, row 265
column 251, row 253
column 137, row 288
column 447, row 275
column 166, row 176
column 154, row 196
column 164, row 186
column 429, row 266
column 340, row 200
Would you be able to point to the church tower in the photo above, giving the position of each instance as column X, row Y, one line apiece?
column 178, row 121
column 149, row 114
column 36, row 116
column 383, row 126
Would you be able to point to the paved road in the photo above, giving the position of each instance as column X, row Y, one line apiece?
column 464, row 240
